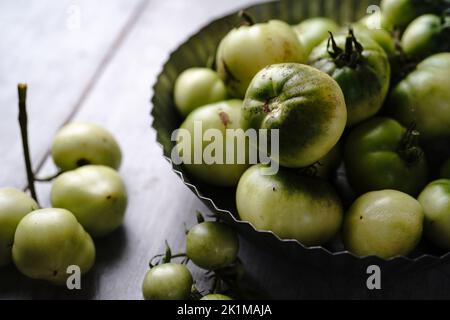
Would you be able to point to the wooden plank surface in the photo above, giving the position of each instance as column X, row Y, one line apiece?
column 159, row 205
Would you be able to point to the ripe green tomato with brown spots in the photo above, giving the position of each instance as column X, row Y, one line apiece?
column 290, row 205
column 96, row 195
column 14, row 205
column 305, row 105
column 78, row 144
column 213, row 167
column 216, row 296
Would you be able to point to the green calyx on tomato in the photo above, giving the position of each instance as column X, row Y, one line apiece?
column 360, row 67
column 289, row 204
column 381, row 154
column 423, row 98
column 96, row 195
column 219, row 116
column 435, row 200
column 386, row 223
column 196, row 87
column 247, row 49
column 168, row 281
column 212, row 245
column 427, row 35
column 78, row 144
column 48, row 241
column 305, row 105
column 14, row 205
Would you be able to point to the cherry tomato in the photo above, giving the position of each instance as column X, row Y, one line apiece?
column 212, row 245
column 48, row 241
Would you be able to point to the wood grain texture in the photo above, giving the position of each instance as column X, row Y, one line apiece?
column 159, row 203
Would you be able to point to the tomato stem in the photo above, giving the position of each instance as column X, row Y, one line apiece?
column 348, row 57
column 23, row 122
column 49, row 178
column 246, row 17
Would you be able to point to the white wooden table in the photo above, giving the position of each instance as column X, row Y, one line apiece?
column 96, row 61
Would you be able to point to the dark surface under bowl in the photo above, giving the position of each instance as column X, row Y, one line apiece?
column 195, row 52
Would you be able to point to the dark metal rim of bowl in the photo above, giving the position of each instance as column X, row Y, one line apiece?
column 196, row 51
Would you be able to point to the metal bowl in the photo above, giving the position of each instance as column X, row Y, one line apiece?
column 195, row 52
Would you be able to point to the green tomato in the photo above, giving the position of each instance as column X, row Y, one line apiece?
column 445, row 170
column 290, row 205
column 48, row 241
column 427, row 35
column 311, row 32
column 380, row 36
column 169, row 281
column 212, row 245
column 247, row 49
column 78, row 144
column 381, row 154
column 305, row 105
column 216, row 296
column 435, row 200
column 423, row 98
column 14, row 205
column 96, row 195
column 399, row 13
column 216, row 171
column 363, row 73
column 385, row 223
column 196, row 87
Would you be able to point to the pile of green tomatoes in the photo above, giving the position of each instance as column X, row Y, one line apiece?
column 363, row 115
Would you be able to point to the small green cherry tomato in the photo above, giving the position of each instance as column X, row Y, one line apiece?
column 360, row 67
column 247, row 49
column 196, row 87
column 427, row 35
column 213, row 167
column 435, row 200
column 78, row 144
column 385, row 223
column 290, row 205
column 423, row 98
column 311, row 32
column 306, row 106
column 212, row 245
column 96, row 195
column 381, row 154
column 14, row 205
column 48, row 241
column 445, row 170
column 169, row 281
column 216, row 296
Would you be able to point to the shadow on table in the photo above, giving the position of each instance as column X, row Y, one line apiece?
column 14, row 285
